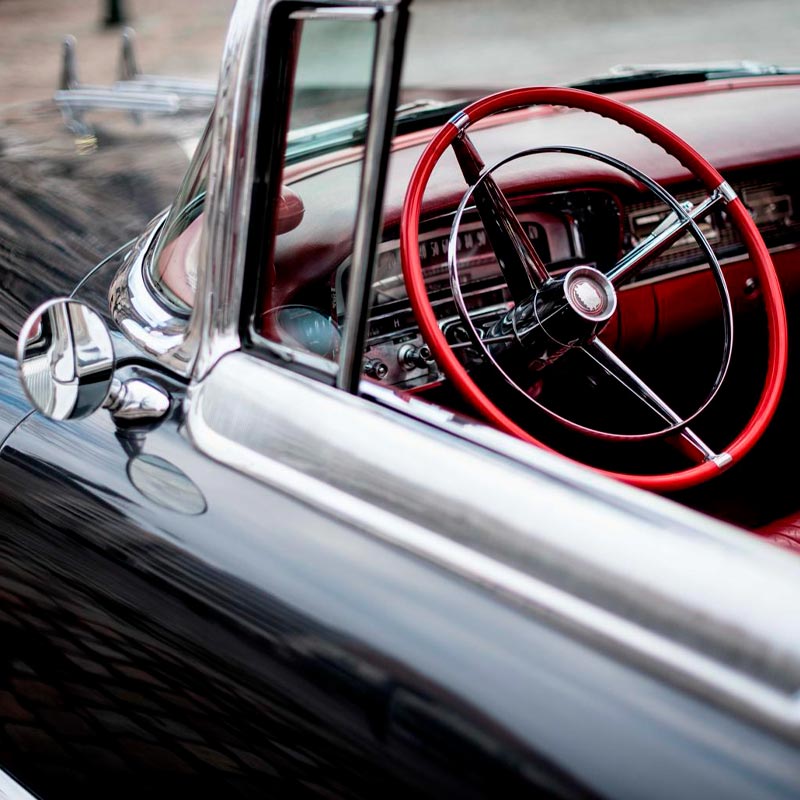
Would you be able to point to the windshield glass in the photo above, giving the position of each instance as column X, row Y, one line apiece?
column 460, row 50
column 480, row 45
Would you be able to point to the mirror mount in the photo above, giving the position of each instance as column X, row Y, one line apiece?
column 66, row 364
column 136, row 400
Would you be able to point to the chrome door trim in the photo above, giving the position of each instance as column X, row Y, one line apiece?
column 623, row 586
column 11, row 790
column 383, row 99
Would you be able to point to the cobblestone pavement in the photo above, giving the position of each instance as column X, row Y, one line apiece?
column 174, row 37
column 469, row 43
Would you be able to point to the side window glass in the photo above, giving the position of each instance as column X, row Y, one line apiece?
column 331, row 89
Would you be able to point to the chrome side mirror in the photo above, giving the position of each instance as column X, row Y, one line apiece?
column 65, row 359
column 66, row 365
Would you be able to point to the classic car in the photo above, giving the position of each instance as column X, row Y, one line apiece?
column 407, row 447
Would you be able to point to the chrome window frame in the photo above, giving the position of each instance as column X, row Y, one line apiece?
column 190, row 347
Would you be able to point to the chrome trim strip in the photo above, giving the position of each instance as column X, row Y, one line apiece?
column 122, row 98
column 336, row 13
column 727, row 191
column 679, row 273
column 645, row 527
column 11, row 790
column 383, row 99
column 460, row 120
column 722, row 460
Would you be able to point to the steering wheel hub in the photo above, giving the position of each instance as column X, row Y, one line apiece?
column 590, row 294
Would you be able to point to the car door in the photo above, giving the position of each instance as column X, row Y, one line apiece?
column 286, row 585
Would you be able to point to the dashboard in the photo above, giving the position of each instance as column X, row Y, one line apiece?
column 573, row 210
column 589, row 227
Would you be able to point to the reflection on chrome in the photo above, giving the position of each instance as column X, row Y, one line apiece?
column 66, row 359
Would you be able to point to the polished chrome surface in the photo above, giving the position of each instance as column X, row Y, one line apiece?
column 86, row 98
column 722, row 460
column 342, row 13
column 662, row 237
column 137, row 400
column 590, row 294
column 614, row 366
column 214, row 325
column 460, row 120
column 11, row 790
column 151, row 324
column 383, row 99
column 134, row 92
column 727, row 191
column 65, row 359
column 600, row 560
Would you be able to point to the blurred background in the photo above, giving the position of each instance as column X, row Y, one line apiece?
column 457, row 43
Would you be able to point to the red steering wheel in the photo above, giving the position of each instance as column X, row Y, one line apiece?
column 553, row 314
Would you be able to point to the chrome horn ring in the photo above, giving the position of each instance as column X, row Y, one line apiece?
column 686, row 219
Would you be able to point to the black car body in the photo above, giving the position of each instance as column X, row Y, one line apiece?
column 292, row 580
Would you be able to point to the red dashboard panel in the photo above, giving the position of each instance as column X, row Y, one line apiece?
column 733, row 124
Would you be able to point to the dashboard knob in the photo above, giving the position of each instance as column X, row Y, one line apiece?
column 411, row 357
column 375, row 368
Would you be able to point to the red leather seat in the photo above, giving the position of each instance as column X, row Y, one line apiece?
column 783, row 532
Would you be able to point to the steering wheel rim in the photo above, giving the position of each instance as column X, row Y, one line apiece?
column 691, row 160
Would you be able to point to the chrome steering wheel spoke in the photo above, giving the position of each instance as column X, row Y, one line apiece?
column 552, row 319
column 523, row 269
column 671, row 228
column 617, row 369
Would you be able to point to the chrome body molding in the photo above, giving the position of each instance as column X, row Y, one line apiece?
column 11, row 790
column 145, row 320
column 598, row 559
